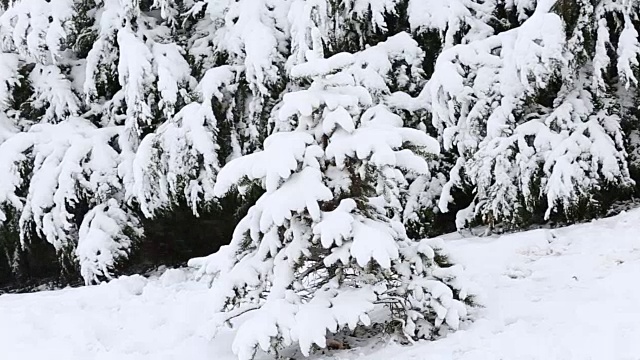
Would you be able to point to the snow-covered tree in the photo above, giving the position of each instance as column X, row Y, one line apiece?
column 604, row 38
column 53, row 173
column 33, row 44
column 325, row 245
column 247, row 37
column 532, row 133
column 83, row 83
column 180, row 160
column 534, row 103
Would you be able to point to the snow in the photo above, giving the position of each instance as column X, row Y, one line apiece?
column 628, row 52
column 135, row 70
column 381, row 132
column 280, row 157
column 172, row 69
column 66, row 157
column 103, row 239
column 576, row 142
column 557, row 294
column 36, row 27
column 529, row 103
column 53, row 91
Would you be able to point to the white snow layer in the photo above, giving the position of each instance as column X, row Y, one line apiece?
column 548, row 294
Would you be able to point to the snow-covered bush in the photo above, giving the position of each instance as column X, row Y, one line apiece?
column 325, row 245
column 106, row 236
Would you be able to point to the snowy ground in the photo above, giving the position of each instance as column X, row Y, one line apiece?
column 564, row 294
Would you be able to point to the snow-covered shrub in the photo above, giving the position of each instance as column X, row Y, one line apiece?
column 325, row 245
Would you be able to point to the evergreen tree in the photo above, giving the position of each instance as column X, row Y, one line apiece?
column 85, row 81
column 246, row 37
column 527, row 113
column 127, row 109
column 325, row 245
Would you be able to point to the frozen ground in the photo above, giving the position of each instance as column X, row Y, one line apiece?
column 564, row 294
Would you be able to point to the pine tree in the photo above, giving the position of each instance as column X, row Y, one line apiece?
column 325, row 245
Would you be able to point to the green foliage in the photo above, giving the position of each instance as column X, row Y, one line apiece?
column 175, row 235
column 21, row 96
column 82, row 34
column 21, row 266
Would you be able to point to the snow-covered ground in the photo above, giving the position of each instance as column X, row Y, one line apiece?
column 562, row 294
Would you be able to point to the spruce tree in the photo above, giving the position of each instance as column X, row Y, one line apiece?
column 529, row 114
column 325, row 245
column 85, row 82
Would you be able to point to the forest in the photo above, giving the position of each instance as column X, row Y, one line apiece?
column 299, row 153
